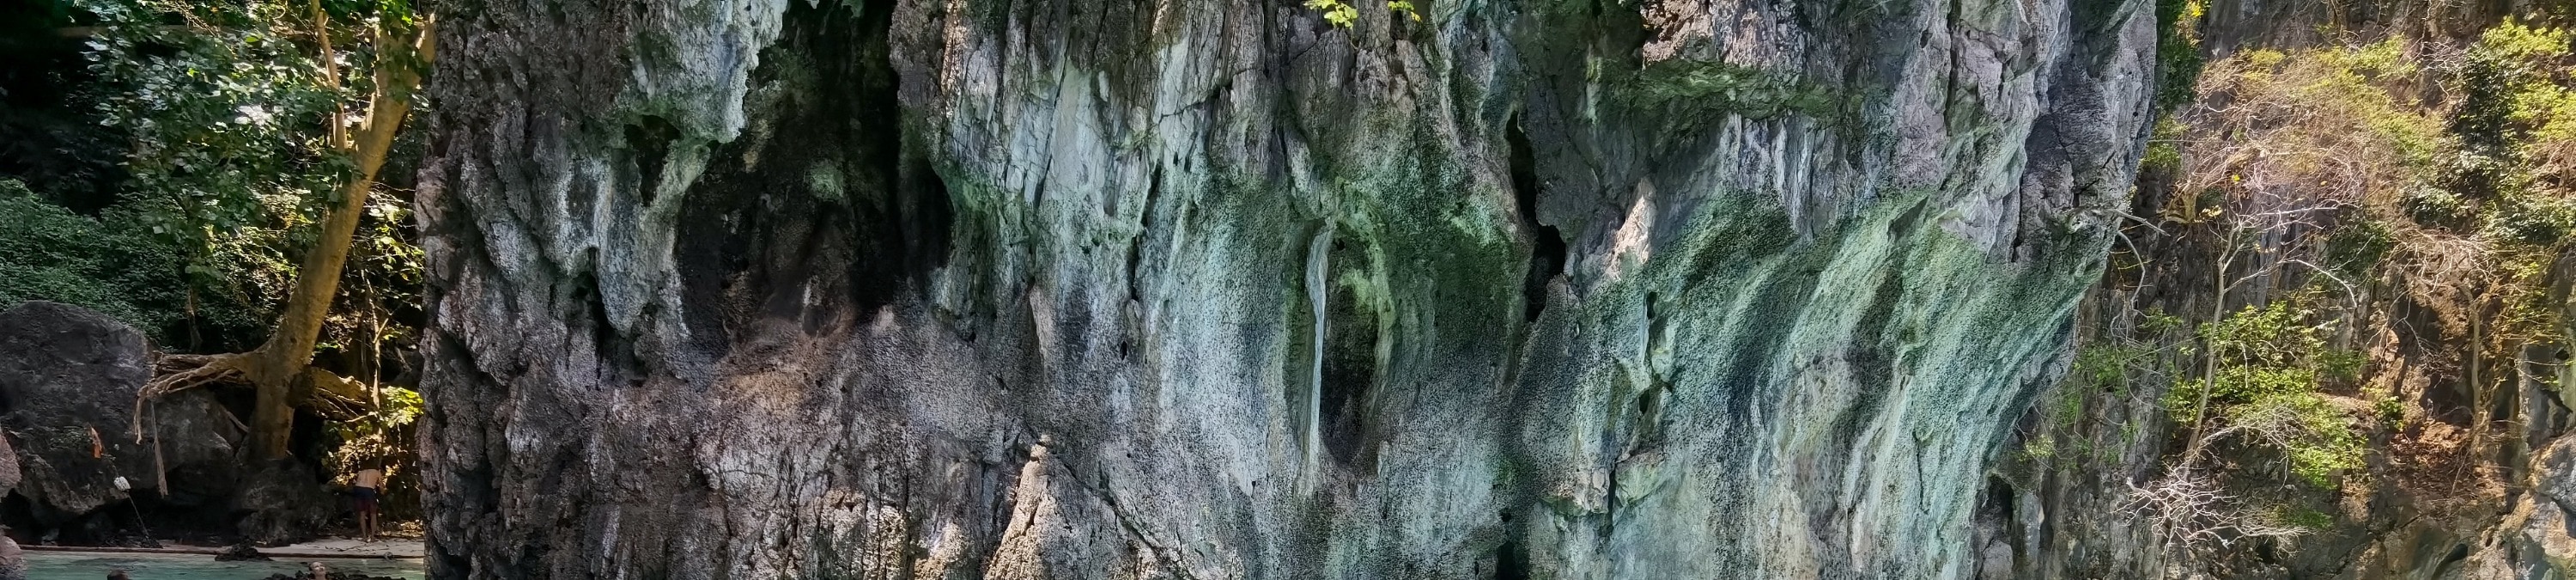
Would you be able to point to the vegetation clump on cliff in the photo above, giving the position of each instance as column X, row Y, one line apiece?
column 2337, row 290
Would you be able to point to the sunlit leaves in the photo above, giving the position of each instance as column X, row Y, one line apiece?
column 222, row 117
column 1341, row 14
column 230, row 110
column 2270, row 365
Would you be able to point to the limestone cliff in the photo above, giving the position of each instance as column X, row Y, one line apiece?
column 1213, row 289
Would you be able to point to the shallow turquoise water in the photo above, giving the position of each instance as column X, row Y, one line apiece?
column 69, row 566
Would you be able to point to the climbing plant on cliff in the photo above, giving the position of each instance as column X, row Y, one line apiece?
column 2275, row 169
column 2353, row 229
column 270, row 115
column 1341, row 14
column 2268, row 366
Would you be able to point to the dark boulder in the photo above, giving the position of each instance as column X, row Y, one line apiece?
column 333, row 576
column 326, row 573
column 283, row 502
column 243, row 552
column 68, row 378
column 202, row 446
column 67, row 383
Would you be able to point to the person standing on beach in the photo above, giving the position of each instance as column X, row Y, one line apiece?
column 367, row 485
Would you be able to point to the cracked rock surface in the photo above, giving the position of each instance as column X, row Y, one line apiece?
column 1127, row 289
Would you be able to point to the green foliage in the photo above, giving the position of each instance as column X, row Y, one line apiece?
column 227, row 116
column 2359, row 78
column 2107, row 367
column 2322, row 126
column 2159, row 322
column 49, row 253
column 2178, row 59
column 2304, row 517
column 1337, row 12
column 2517, row 126
column 2437, row 207
column 2511, row 88
column 2528, row 217
column 2070, row 405
column 2272, row 335
column 377, row 438
column 2341, row 364
column 112, row 265
column 2270, row 365
column 232, row 159
column 2457, row 194
column 1341, row 14
column 2099, row 366
column 224, row 112
column 2357, row 246
column 2316, row 437
column 383, row 440
column 2527, row 311
column 2039, row 449
column 2388, row 408
column 236, row 120
column 2164, row 147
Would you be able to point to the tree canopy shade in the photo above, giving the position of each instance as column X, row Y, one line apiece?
column 242, row 111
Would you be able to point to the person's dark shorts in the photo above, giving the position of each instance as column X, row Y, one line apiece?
column 366, row 498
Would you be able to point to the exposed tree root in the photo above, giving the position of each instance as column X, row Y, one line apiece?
column 179, row 372
column 330, row 395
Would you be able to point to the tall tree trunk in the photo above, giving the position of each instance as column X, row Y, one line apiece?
column 278, row 364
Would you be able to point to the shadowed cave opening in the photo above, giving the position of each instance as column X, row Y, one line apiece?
column 1511, row 561
column 1547, row 245
column 818, row 213
column 1350, row 359
column 650, row 138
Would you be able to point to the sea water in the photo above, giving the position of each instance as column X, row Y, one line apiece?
column 94, row 566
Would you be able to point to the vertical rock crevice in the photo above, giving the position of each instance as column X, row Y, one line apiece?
column 1547, row 245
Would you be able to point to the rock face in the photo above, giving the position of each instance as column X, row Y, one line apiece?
column 283, row 502
column 67, row 383
column 67, row 378
column 1212, row 289
column 13, row 566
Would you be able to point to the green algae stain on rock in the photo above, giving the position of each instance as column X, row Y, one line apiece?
column 1690, row 91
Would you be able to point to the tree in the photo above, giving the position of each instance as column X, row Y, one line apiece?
column 2325, row 190
column 2268, row 179
column 231, row 118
